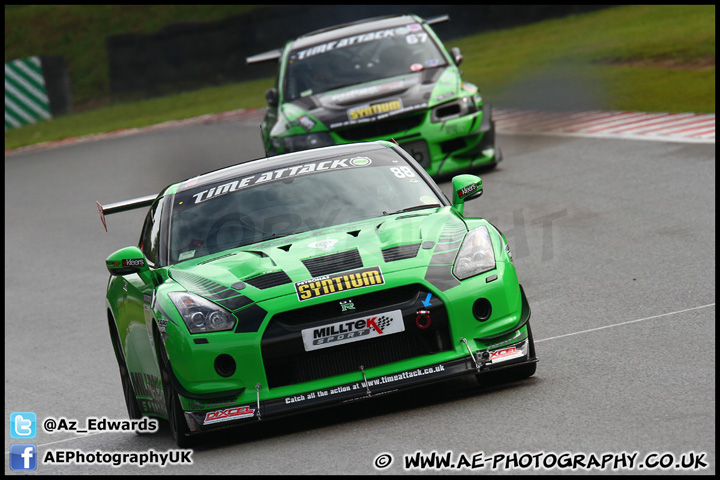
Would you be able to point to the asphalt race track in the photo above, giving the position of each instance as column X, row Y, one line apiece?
column 614, row 242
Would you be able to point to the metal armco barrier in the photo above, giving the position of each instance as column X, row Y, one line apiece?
column 26, row 99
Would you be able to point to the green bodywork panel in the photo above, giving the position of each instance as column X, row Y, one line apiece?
column 148, row 320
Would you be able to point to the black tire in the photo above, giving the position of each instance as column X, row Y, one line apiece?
column 512, row 374
column 176, row 418
column 133, row 408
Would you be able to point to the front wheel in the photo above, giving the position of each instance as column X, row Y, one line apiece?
column 131, row 402
column 176, row 418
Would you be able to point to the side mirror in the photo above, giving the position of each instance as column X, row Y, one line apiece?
column 465, row 187
column 456, row 55
column 271, row 96
column 126, row 261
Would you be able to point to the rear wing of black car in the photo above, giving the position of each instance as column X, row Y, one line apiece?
column 264, row 57
column 124, row 206
column 440, row 19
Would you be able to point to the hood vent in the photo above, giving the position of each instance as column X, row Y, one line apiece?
column 337, row 262
column 269, row 280
column 401, row 252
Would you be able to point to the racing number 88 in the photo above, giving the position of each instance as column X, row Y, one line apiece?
column 402, row 172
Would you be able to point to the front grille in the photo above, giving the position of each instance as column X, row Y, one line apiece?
column 453, row 145
column 451, row 110
column 287, row 363
column 400, row 252
column 381, row 128
column 336, row 262
column 330, row 362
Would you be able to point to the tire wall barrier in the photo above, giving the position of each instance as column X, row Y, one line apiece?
column 36, row 89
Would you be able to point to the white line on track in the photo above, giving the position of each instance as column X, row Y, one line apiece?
column 75, row 438
column 626, row 323
column 536, row 341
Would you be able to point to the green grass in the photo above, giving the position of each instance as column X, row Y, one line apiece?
column 642, row 58
column 78, row 32
column 658, row 58
column 142, row 113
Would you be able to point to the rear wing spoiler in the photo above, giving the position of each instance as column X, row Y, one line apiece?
column 124, row 206
column 440, row 19
column 264, row 57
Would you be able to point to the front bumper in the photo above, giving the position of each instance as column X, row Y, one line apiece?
column 508, row 351
column 443, row 147
column 456, row 145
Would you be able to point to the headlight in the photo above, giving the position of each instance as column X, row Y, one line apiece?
column 453, row 109
column 305, row 142
column 200, row 315
column 476, row 254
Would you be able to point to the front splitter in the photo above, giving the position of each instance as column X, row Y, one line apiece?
column 478, row 363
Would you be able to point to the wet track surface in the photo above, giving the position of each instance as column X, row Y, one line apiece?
column 614, row 242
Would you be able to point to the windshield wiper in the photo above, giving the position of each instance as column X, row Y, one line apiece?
column 411, row 209
column 279, row 235
column 270, row 237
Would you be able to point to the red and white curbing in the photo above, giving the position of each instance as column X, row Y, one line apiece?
column 667, row 127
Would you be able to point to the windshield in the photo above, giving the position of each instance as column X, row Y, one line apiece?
column 360, row 58
column 295, row 199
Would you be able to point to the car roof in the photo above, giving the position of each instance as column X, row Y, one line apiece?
column 352, row 28
column 272, row 163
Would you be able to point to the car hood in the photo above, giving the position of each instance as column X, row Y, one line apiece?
column 273, row 268
column 372, row 101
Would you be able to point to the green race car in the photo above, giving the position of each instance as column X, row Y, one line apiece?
column 387, row 78
column 309, row 279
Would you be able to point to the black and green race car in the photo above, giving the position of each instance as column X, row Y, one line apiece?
column 305, row 280
column 387, row 78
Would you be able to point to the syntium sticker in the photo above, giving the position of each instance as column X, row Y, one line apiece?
column 375, row 109
column 339, row 282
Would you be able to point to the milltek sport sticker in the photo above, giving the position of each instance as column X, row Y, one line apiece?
column 339, row 282
column 354, row 330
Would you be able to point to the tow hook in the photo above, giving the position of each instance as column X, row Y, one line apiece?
column 422, row 320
